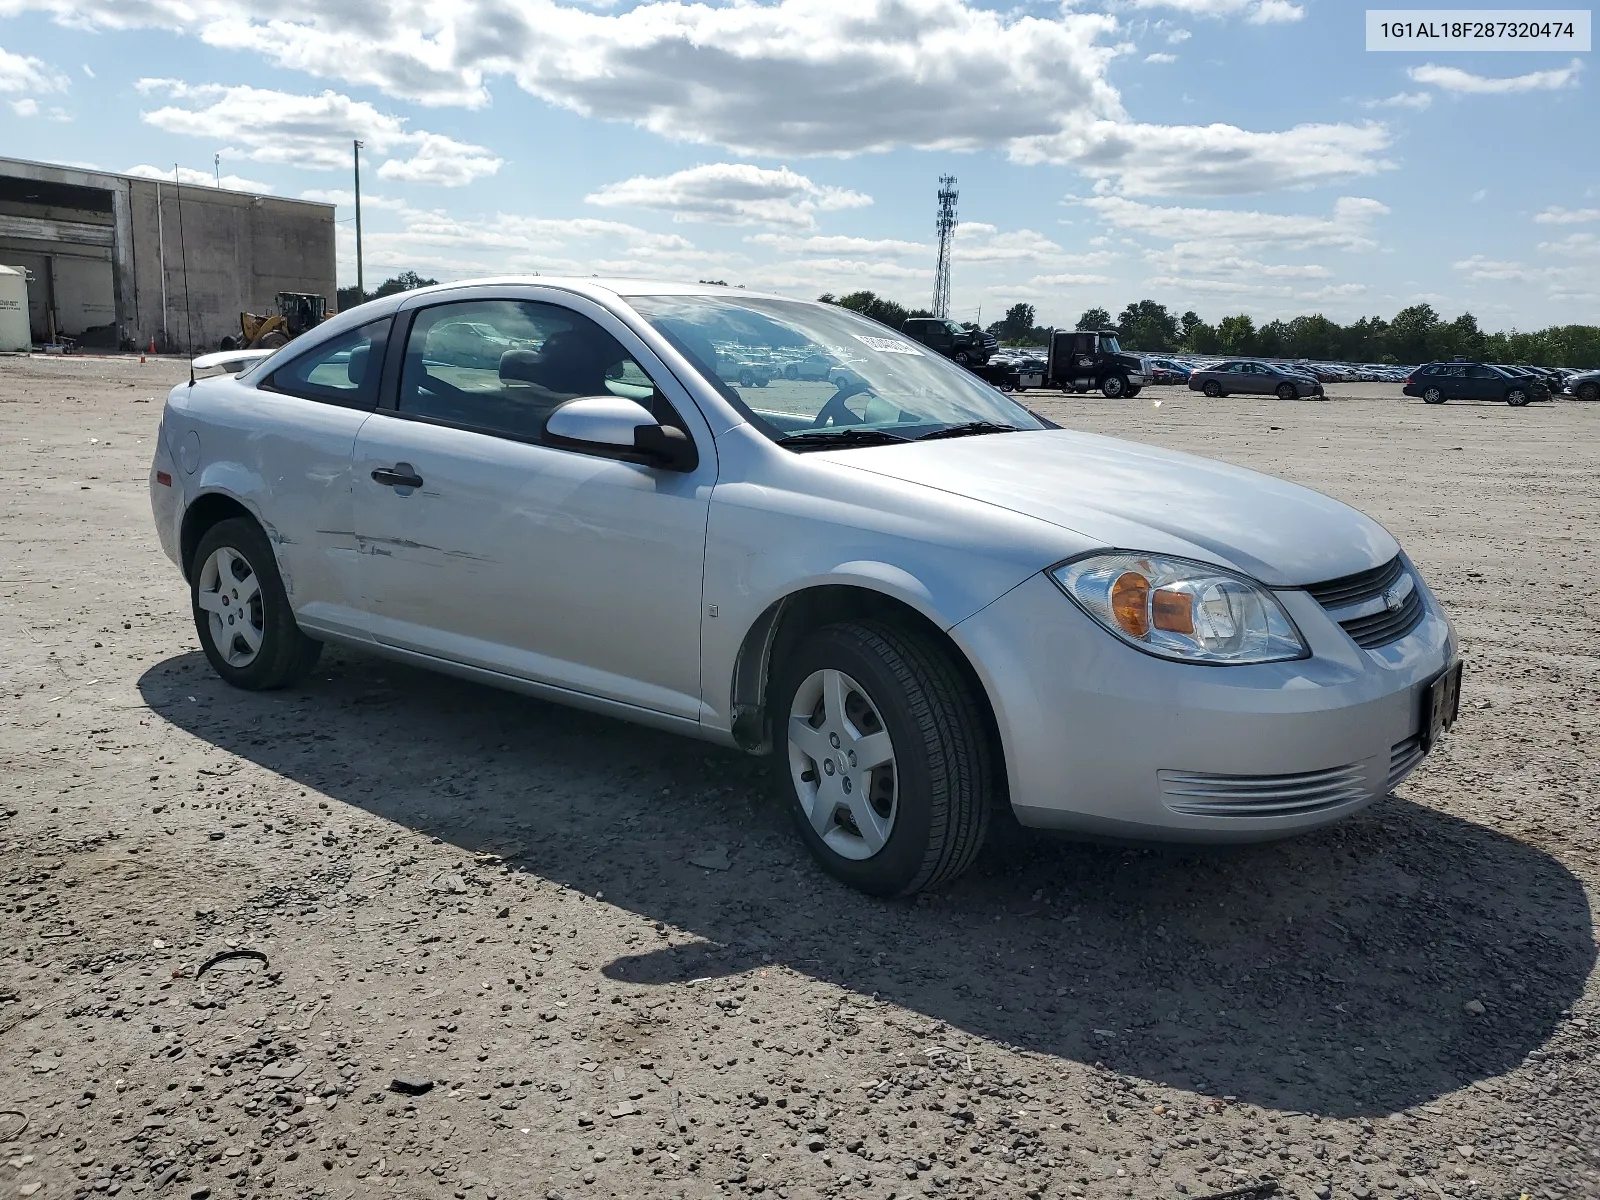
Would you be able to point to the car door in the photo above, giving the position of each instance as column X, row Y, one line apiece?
column 301, row 425
column 482, row 546
column 1260, row 379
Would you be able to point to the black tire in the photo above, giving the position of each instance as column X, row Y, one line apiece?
column 762, row 381
column 946, row 770
column 285, row 653
column 1589, row 391
column 1134, row 391
column 963, row 358
column 1212, row 388
column 1433, row 396
column 1287, row 391
column 746, row 379
column 1113, row 387
column 791, row 372
column 1517, row 397
column 230, row 343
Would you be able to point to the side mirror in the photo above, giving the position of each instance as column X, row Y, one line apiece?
column 616, row 427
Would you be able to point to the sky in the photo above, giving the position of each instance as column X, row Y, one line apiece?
column 1217, row 155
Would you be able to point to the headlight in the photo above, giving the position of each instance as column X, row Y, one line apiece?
column 1179, row 609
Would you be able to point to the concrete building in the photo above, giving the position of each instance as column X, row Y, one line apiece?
column 105, row 255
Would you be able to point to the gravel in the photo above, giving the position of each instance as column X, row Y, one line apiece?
column 604, row 962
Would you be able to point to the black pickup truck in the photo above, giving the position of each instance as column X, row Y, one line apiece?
column 969, row 347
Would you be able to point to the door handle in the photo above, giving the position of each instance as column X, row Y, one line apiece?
column 399, row 475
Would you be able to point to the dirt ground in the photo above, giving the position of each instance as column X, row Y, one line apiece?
column 608, row 969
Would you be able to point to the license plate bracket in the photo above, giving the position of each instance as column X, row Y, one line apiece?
column 1441, row 704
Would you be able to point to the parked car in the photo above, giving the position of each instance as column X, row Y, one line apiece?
column 736, row 366
column 1164, row 370
column 915, row 595
column 1247, row 375
column 1583, row 385
column 969, row 347
column 811, row 367
column 1441, row 381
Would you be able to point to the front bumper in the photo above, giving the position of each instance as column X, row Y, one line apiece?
column 1102, row 739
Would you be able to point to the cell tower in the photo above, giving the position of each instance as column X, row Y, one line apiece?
column 945, row 226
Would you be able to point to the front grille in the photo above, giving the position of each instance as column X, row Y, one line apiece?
column 1358, row 588
column 1261, row 795
column 1355, row 602
column 1384, row 627
column 1403, row 759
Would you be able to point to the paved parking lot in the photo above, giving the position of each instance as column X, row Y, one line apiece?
column 607, row 967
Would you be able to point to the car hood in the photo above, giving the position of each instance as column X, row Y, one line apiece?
column 1138, row 497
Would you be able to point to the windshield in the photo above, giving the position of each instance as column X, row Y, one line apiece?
column 1109, row 345
column 803, row 370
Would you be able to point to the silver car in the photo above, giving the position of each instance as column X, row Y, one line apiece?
column 920, row 599
column 1248, row 375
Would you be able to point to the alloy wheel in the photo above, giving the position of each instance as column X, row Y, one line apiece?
column 229, row 592
column 842, row 763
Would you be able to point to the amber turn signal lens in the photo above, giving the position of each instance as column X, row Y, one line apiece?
column 1173, row 611
column 1130, row 603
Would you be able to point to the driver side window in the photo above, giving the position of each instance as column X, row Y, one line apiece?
column 503, row 366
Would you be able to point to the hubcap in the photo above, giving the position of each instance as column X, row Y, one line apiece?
column 842, row 762
column 229, row 593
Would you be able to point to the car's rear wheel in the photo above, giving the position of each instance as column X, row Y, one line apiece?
column 1212, row 388
column 1589, row 391
column 1286, row 391
column 1516, row 397
column 886, row 757
column 1433, row 396
column 791, row 372
column 242, row 613
column 1133, row 391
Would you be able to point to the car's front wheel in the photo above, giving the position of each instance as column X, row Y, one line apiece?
column 886, row 757
column 1113, row 386
column 1286, row 391
column 242, row 613
column 1433, row 396
column 1516, row 397
column 1589, row 391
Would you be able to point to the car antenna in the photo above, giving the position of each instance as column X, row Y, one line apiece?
column 183, row 251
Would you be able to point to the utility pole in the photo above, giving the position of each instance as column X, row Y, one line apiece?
column 361, row 283
column 216, row 163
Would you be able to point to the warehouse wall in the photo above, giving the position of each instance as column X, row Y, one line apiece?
column 110, row 242
column 242, row 250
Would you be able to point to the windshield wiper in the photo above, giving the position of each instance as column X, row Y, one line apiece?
column 833, row 439
column 967, row 429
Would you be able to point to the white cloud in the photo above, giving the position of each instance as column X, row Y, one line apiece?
column 312, row 131
column 732, row 194
column 1480, row 267
column 1574, row 245
column 21, row 73
column 88, row 70
column 1201, row 230
column 826, row 244
column 190, row 177
column 26, row 107
column 1413, row 100
column 1067, row 279
column 1258, row 12
column 1161, row 58
column 1215, row 160
column 1556, row 215
column 1453, row 79
column 788, row 77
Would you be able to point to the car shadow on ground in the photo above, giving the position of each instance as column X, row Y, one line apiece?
column 1331, row 974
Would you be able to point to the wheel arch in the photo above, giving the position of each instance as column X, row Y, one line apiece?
column 787, row 620
column 205, row 511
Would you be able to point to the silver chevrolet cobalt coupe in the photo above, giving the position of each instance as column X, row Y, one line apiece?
column 920, row 598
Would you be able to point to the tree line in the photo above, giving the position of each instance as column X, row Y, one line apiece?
column 1415, row 334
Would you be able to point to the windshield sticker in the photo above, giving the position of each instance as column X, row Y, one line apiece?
column 886, row 345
